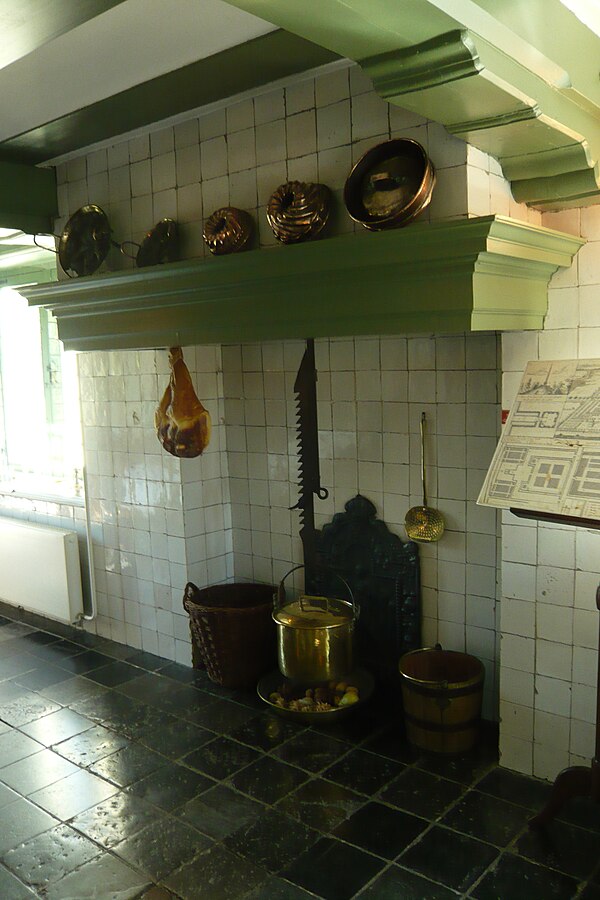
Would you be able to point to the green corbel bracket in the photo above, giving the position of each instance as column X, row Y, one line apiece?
column 517, row 80
column 27, row 198
column 462, row 81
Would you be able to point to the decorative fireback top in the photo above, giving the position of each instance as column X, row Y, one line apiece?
column 383, row 573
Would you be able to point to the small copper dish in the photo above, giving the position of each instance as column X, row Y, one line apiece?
column 297, row 211
column 390, row 185
column 85, row 241
column 159, row 246
column 227, row 230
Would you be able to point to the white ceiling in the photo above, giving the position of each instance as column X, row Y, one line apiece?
column 127, row 45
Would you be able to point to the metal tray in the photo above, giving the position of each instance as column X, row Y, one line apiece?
column 362, row 679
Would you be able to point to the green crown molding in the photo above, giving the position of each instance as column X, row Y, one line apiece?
column 27, row 198
column 517, row 80
column 480, row 274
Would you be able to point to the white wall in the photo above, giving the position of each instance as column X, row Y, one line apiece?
column 549, row 573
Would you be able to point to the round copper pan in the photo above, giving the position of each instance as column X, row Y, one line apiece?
column 390, row 185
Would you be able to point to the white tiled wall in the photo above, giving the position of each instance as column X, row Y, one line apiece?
column 371, row 393
column 159, row 521
column 549, row 619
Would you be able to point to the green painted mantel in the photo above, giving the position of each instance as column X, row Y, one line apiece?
column 518, row 79
column 484, row 274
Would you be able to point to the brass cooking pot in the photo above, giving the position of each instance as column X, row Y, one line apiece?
column 314, row 635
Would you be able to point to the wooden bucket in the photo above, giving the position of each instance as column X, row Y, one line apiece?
column 442, row 692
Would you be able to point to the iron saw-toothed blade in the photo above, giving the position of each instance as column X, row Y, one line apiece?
column 309, row 478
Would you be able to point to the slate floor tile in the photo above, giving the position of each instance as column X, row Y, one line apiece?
column 215, row 873
column 465, row 768
column 275, row 888
column 7, row 796
column 91, row 746
column 333, row 870
column 321, row 804
column 57, row 726
column 9, row 691
column 18, row 664
column 84, row 662
column 21, row 821
column 364, row 772
column 65, row 798
column 311, row 750
column 27, row 708
column 116, row 672
column 268, row 779
column 220, row 757
column 516, row 788
column 175, row 738
column 162, row 847
column 36, row 772
column 41, row 677
column 392, row 742
column 222, row 715
column 50, row 856
column 265, row 731
column 55, row 651
column 381, row 830
column 15, row 746
column 421, row 793
column 104, row 876
column 11, row 888
column 219, row 811
column 534, row 882
column 128, row 764
column 116, row 819
column 149, row 687
column 73, row 690
column 445, row 856
column 396, row 883
column 487, row 818
column 148, row 661
column 272, row 841
column 171, row 786
column 572, row 850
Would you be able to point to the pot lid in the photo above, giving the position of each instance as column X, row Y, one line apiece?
column 315, row 612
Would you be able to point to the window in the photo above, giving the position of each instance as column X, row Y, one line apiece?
column 40, row 433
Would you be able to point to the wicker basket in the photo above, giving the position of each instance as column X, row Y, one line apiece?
column 233, row 632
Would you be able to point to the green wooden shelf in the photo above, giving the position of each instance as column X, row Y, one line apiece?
column 482, row 274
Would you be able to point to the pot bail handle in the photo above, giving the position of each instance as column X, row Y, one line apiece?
column 279, row 595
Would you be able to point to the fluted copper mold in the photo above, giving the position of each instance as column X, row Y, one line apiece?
column 227, row 230
column 390, row 185
column 297, row 211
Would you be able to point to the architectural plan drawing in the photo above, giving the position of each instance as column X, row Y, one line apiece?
column 548, row 456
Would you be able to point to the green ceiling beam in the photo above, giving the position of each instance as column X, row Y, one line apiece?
column 27, row 198
column 241, row 68
column 518, row 80
column 486, row 274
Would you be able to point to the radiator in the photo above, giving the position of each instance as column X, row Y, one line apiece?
column 40, row 569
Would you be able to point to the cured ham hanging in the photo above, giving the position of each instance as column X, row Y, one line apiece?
column 182, row 423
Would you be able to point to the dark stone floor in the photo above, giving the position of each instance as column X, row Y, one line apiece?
column 125, row 775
